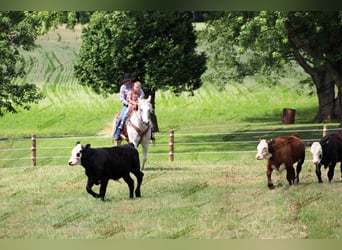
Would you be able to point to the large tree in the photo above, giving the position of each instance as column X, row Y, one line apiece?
column 247, row 43
column 16, row 32
column 158, row 48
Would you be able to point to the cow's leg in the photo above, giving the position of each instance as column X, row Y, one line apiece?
column 290, row 174
column 269, row 170
column 318, row 172
column 103, row 188
column 331, row 171
column 298, row 170
column 130, row 184
column 139, row 176
column 90, row 184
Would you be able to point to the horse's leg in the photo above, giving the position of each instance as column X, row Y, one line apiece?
column 144, row 145
column 117, row 142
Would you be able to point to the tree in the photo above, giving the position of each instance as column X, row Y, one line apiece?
column 263, row 42
column 158, row 48
column 16, row 31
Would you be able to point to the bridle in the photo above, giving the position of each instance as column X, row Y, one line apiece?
column 141, row 132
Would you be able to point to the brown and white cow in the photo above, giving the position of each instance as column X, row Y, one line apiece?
column 281, row 153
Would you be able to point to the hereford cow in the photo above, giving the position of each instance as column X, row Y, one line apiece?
column 327, row 152
column 281, row 153
column 103, row 164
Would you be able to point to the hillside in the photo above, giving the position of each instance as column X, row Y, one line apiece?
column 71, row 109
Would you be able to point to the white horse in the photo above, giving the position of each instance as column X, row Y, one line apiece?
column 139, row 127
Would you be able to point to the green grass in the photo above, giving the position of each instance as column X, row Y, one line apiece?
column 210, row 191
column 180, row 200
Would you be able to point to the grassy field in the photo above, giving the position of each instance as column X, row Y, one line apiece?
column 215, row 189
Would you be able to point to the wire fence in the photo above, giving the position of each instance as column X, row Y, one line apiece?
column 28, row 149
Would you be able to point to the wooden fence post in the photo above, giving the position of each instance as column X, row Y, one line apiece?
column 324, row 130
column 33, row 150
column 171, row 145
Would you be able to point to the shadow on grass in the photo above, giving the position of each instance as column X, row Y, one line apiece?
column 246, row 140
column 302, row 116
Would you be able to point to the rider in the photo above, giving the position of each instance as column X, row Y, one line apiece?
column 134, row 95
column 124, row 89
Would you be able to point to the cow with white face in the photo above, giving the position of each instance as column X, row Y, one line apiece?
column 76, row 154
column 327, row 152
column 108, row 163
column 262, row 150
column 281, row 153
column 316, row 151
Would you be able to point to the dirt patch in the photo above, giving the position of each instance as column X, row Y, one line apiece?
column 106, row 131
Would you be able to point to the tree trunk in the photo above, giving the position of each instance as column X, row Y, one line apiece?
column 338, row 106
column 325, row 88
column 323, row 77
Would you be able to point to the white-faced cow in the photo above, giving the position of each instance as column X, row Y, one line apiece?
column 281, row 153
column 327, row 152
column 103, row 164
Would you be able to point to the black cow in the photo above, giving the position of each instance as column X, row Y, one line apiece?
column 103, row 164
column 327, row 153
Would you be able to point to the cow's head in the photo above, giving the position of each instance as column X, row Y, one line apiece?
column 317, row 153
column 262, row 150
column 76, row 154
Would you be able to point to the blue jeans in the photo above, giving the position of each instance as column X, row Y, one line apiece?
column 123, row 114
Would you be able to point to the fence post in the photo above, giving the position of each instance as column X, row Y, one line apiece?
column 33, row 150
column 171, row 145
column 324, row 130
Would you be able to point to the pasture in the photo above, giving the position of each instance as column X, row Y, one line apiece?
column 214, row 189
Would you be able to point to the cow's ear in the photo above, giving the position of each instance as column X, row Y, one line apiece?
column 78, row 143
column 87, row 146
column 260, row 138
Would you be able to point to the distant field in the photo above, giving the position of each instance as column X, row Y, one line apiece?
column 215, row 189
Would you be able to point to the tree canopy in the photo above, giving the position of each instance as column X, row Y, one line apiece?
column 158, row 48
column 16, row 31
column 246, row 43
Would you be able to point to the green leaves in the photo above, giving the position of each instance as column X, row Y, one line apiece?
column 156, row 47
column 16, row 32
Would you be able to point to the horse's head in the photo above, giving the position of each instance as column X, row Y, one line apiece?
column 145, row 109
